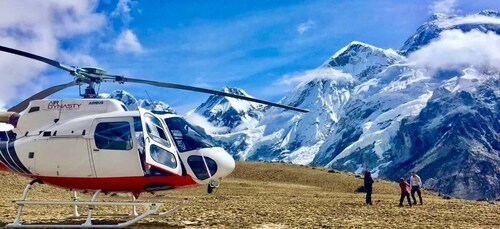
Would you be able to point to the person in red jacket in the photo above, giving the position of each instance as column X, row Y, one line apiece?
column 405, row 191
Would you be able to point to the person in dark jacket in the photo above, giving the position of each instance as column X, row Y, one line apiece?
column 405, row 191
column 368, row 184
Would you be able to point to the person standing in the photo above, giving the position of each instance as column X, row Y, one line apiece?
column 405, row 191
column 415, row 183
column 368, row 184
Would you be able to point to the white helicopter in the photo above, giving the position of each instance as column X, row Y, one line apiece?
column 97, row 145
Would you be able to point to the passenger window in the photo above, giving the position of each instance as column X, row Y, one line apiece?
column 163, row 156
column 155, row 130
column 113, row 136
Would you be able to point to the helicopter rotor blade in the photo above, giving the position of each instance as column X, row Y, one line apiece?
column 40, row 95
column 204, row 90
column 95, row 75
column 39, row 58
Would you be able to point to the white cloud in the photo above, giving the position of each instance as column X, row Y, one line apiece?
column 39, row 27
column 123, row 11
column 321, row 73
column 128, row 42
column 289, row 81
column 201, row 121
column 5, row 127
column 444, row 6
column 472, row 19
column 455, row 50
column 76, row 58
column 304, row 27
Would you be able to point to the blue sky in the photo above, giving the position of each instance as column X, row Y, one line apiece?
column 245, row 44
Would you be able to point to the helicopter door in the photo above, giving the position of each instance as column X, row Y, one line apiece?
column 112, row 142
column 159, row 155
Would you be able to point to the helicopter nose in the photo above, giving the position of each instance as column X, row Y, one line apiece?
column 225, row 163
column 218, row 160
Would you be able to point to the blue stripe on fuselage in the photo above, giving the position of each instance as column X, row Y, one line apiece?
column 5, row 158
column 8, row 155
column 13, row 154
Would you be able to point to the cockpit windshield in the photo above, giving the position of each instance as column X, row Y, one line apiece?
column 186, row 136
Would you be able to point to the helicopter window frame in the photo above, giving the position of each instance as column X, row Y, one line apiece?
column 186, row 136
column 116, row 135
column 163, row 156
column 197, row 165
column 155, row 130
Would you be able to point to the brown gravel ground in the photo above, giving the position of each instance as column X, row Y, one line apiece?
column 271, row 195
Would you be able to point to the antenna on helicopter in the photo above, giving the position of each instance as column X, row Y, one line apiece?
column 92, row 76
column 149, row 97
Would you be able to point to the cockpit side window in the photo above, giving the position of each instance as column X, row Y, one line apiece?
column 155, row 130
column 199, row 169
column 186, row 136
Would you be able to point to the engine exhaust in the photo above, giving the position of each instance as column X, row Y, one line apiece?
column 9, row 118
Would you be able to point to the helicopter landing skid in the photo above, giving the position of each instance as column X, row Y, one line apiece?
column 151, row 209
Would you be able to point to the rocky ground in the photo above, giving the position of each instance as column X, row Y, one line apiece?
column 274, row 195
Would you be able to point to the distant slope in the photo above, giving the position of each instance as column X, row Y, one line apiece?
column 335, row 181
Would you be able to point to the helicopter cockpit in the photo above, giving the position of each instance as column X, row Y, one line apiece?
column 168, row 143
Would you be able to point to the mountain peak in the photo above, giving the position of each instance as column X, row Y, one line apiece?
column 438, row 16
column 484, row 21
column 354, row 46
column 489, row 13
column 235, row 91
column 229, row 112
column 361, row 60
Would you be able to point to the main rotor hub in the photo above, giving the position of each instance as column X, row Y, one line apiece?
column 91, row 76
column 95, row 71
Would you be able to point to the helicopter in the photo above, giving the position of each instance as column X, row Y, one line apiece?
column 97, row 145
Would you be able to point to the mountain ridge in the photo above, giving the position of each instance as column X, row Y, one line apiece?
column 366, row 101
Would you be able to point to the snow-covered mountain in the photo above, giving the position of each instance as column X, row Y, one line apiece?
column 132, row 103
column 454, row 141
column 235, row 114
column 361, row 60
column 483, row 21
column 371, row 108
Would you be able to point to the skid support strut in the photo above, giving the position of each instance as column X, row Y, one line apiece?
column 150, row 209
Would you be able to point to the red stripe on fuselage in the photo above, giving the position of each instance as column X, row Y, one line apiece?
column 4, row 168
column 117, row 184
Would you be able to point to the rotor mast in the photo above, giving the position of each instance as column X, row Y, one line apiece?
column 91, row 77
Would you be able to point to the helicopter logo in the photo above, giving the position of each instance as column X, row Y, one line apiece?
column 72, row 106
